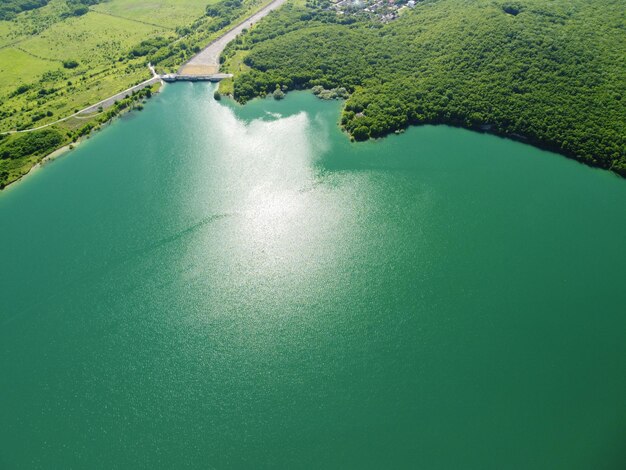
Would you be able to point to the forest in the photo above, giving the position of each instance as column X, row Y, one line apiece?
column 549, row 73
column 10, row 8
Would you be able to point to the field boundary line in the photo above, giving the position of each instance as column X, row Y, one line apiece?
column 130, row 19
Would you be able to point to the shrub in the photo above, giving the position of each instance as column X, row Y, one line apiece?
column 21, row 89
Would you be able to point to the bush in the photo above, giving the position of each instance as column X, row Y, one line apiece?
column 21, row 90
column 79, row 11
column 512, row 8
column 223, row 8
column 149, row 46
column 70, row 64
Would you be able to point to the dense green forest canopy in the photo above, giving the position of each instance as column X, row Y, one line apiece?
column 10, row 8
column 548, row 71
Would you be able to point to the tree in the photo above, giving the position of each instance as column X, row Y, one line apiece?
column 361, row 133
column 278, row 93
column 70, row 64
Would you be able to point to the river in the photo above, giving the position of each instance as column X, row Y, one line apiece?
column 205, row 285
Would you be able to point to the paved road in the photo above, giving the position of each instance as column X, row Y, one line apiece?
column 110, row 101
column 210, row 56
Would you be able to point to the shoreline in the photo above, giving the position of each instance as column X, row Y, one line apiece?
column 484, row 128
column 45, row 160
column 67, row 148
column 550, row 147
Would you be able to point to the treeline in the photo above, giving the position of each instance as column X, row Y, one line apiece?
column 10, row 8
column 79, row 7
column 132, row 101
column 19, row 152
column 149, row 46
column 551, row 73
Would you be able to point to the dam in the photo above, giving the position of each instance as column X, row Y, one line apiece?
column 175, row 77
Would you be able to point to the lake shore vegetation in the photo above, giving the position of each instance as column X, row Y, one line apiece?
column 20, row 152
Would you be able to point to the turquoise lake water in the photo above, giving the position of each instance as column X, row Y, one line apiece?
column 204, row 285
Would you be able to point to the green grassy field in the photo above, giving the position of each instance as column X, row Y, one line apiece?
column 17, row 67
column 165, row 13
column 92, row 39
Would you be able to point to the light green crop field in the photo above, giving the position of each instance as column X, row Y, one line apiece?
column 166, row 13
column 91, row 39
column 18, row 67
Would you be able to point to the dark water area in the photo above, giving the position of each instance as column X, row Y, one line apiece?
column 206, row 285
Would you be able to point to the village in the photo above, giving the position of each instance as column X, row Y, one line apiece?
column 383, row 10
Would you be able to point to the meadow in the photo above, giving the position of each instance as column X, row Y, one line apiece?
column 162, row 13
